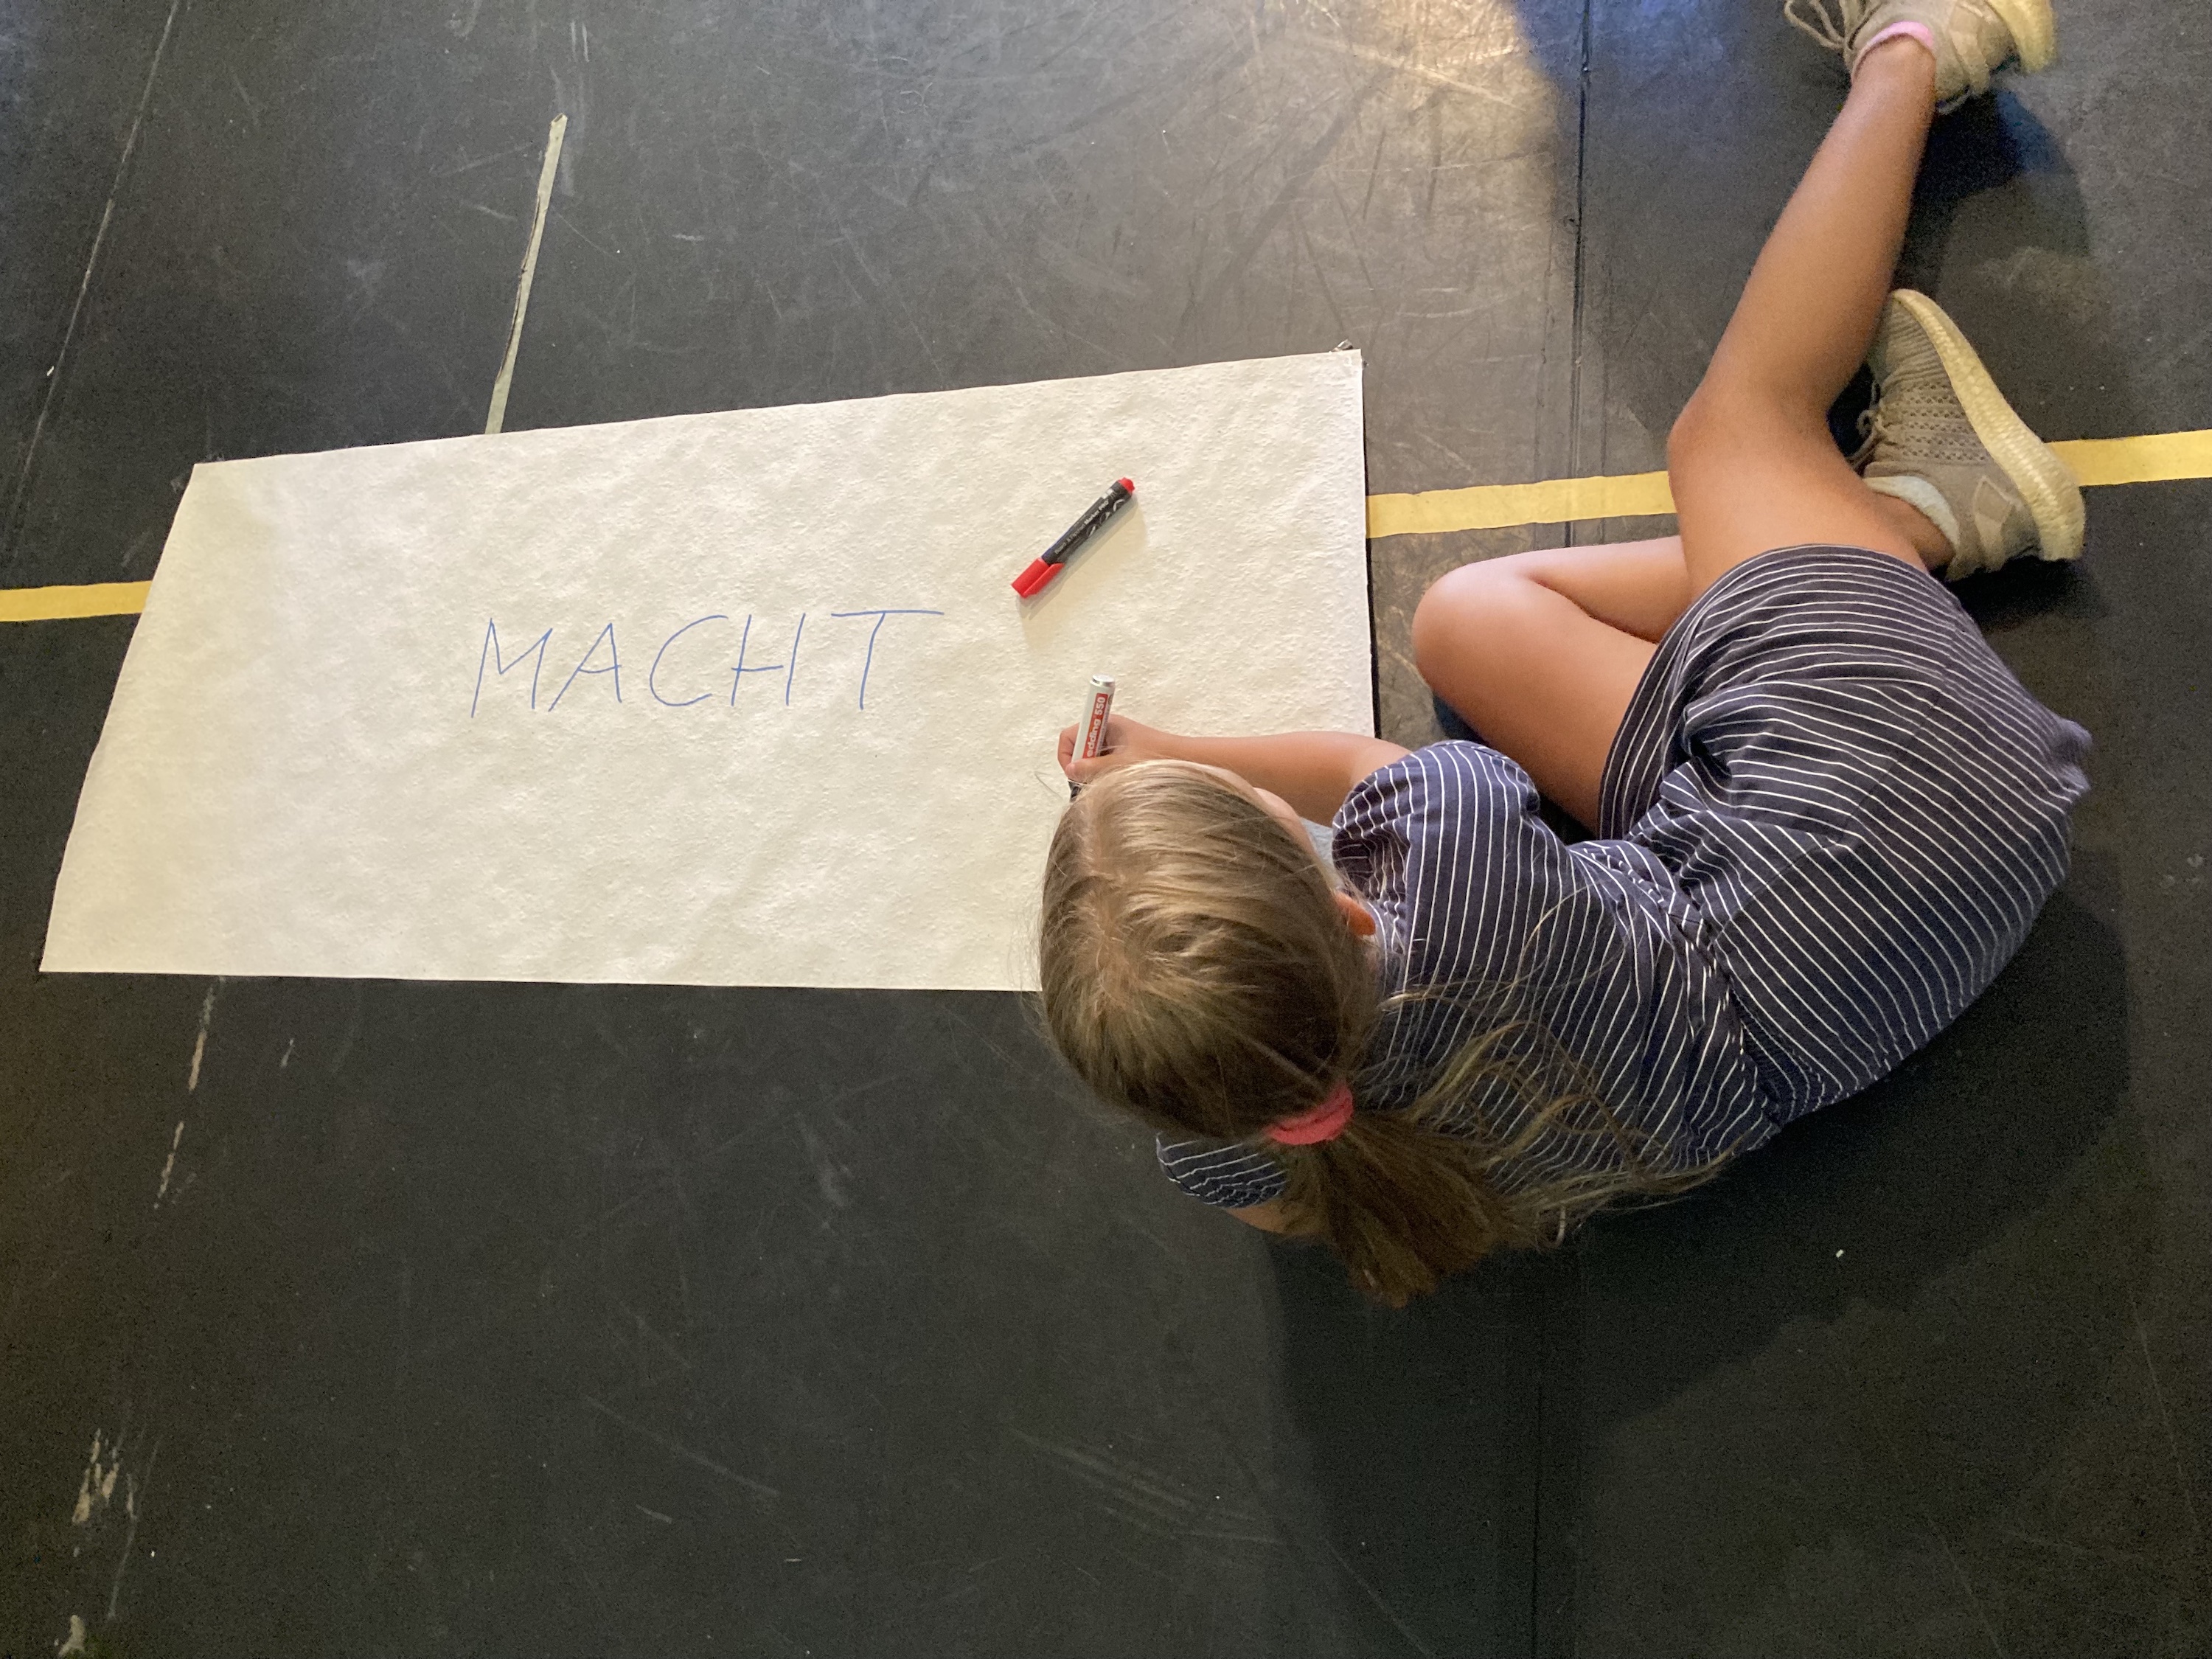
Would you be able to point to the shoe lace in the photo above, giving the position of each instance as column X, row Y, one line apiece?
column 1831, row 27
column 1873, row 432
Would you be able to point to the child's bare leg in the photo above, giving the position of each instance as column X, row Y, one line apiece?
column 1638, row 587
column 1751, row 459
column 1540, row 652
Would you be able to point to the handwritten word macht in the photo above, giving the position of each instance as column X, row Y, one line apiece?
column 685, row 672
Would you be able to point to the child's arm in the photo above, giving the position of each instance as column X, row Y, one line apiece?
column 1312, row 770
column 1271, row 1218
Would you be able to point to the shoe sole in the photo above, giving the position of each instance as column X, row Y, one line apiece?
column 2054, row 500
column 2034, row 32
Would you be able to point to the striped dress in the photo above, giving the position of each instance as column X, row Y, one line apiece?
column 1829, row 818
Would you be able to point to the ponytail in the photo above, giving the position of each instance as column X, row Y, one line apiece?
column 1399, row 1201
column 1406, row 1197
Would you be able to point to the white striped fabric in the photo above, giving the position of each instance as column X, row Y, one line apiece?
column 1830, row 817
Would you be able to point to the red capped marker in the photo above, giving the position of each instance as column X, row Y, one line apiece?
column 1046, row 565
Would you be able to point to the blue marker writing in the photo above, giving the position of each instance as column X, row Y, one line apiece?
column 613, row 667
column 653, row 674
column 789, row 665
column 500, row 665
column 869, row 661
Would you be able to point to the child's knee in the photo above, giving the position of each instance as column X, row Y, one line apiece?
column 1728, row 423
column 1706, row 423
column 1444, row 610
column 1460, row 608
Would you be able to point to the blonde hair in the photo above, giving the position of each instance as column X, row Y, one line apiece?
column 1196, row 971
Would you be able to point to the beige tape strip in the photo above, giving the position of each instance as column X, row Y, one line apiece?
column 2153, row 458
column 546, row 172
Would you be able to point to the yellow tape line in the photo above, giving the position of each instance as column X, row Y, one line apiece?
column 2150, row 459
column 1494, row 507
column 2153, row 458
column 51, row 603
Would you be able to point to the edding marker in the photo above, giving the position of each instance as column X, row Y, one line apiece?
column 1091, row 730
column 1046, row 565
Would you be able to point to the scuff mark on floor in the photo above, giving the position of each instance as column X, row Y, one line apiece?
column 130, row 1532
column 98, row 1489
column 829, row 1175
column 169, row 1165
column 129, row 1539
column 199, row 1043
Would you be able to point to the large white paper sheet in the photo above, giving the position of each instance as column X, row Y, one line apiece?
column 729, row 699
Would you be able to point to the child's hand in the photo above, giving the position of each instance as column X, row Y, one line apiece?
column 1127, row 743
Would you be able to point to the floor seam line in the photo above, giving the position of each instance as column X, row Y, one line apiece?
column 21, row 498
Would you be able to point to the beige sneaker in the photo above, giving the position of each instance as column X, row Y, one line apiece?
column 1942, row 437
column 1974, row 38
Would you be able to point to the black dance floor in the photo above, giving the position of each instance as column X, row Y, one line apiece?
column 384, row 1318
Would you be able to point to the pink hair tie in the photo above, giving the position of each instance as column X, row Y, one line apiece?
column 1324, row 1123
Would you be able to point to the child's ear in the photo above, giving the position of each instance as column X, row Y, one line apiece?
column 1357, row 916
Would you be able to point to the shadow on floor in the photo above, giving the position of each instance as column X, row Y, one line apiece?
column 1434, row 1434
column 1899, row 1183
